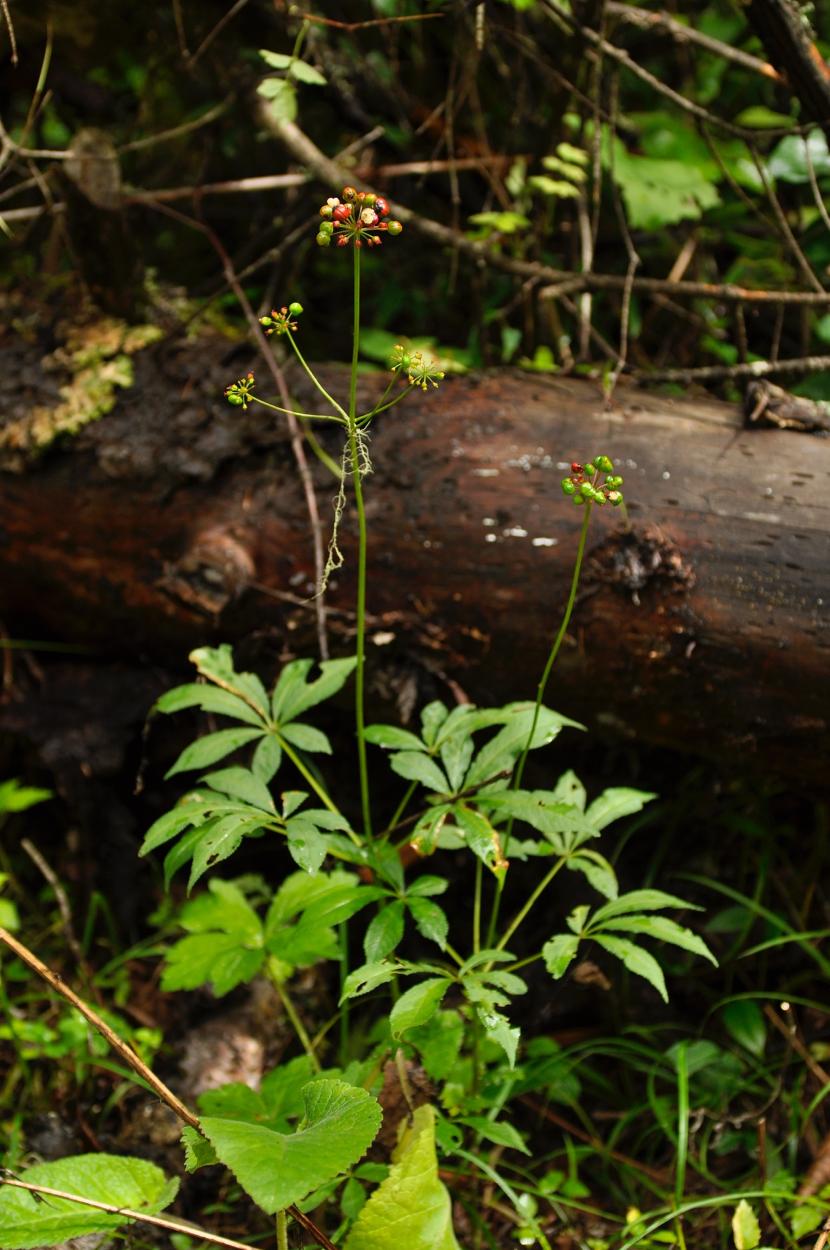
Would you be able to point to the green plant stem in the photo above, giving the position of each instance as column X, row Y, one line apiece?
column 529, row 903
column 313, row 376
column 321, row 453
column 554, row 652
column 297, row 1024
column 540, row 694
column 382, row 407
column 302, row 416
column 308, row 775
column 361, row 562
column 282, row 1231
column 401, row 808
column 477, row 910
column 345, row 1006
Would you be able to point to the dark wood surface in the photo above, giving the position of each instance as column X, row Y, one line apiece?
column 705, row 626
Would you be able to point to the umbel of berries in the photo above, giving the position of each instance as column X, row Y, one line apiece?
column 240, row 391
column 594, row 482
column 281, row 319
column 356, row 217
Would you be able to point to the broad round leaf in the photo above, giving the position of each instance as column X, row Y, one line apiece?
column 117, row 1180
column 277, row 1169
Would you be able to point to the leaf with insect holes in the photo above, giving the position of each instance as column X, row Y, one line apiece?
column 216, row 665
column 117, row 1180
column 480, row 836
column 293, row 695
column 559, row 953
column 278, row 1169
column 500, row 1030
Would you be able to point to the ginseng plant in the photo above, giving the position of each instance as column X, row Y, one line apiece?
column 300, row 1140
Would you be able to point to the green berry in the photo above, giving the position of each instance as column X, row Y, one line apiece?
column 590, row 469
column 578, row 499
column 326, row 210
column 295, row 309
column 323, row 240
column 615, row 498
column 568, row 487
column 394, row 227
column 604, row 463
column 235, row 399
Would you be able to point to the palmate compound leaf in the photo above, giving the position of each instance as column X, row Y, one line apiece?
column 278, row 1169
column 412, row 1206
column 117, row 1180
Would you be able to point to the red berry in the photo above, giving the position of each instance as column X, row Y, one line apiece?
column 381, row 206
column 576, row 468
column 342, row 212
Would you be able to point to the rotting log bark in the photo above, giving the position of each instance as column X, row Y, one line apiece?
column 180, row 521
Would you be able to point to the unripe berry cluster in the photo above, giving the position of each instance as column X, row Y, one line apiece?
column 419, row 369
column 239, row 392
column 356, row 218
column 594, row 482
column 280, row 320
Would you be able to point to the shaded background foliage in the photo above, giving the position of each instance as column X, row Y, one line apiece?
column 717, row 191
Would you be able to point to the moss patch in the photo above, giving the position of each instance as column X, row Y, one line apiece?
column 96, row 360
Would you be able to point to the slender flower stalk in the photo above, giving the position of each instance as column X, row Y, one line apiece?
column 586, row 485
column 354, row 453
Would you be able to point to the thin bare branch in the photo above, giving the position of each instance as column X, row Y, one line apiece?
column 159, row 1221
column 662, row 23
column 211, row 35
column 332, row 174
column 7, row 17
column 720, row 373
column 688, row 106
column 120, row 1047
column 176, row 132
column 295, row 431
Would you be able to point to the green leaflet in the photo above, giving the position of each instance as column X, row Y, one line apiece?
column 411, row 1204
column 417, row 1004
column 745, row 1227
column 278, row 1169
column 117, row 1180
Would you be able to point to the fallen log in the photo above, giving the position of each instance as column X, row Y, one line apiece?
column 176, row 520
